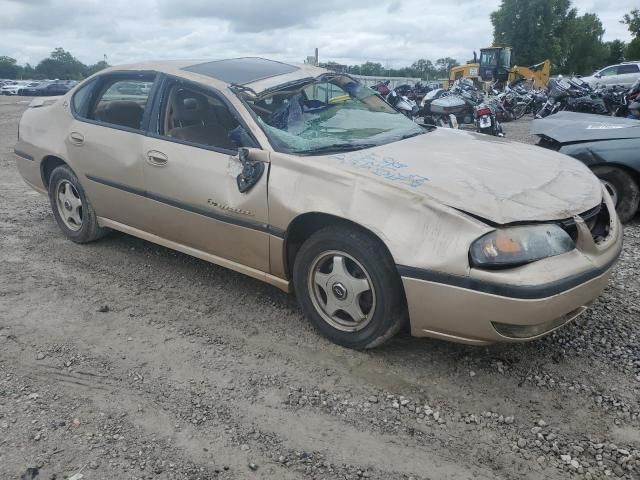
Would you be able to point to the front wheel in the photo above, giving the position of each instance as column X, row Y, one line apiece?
column 348, row 287
column 623, row 189
column 519, row 111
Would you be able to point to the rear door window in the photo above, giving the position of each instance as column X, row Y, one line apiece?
column 122, row 101
column 632, row 68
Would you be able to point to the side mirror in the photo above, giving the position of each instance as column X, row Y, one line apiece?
column 252, row 170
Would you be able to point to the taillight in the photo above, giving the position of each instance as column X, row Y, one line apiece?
column 484, row 111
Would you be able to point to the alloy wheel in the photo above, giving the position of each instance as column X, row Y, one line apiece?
column 341, row 291
column 69, row 205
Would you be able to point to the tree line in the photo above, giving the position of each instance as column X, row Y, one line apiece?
column 60, row 64
column 541, row 29
column 537, row 30
column 419, row 69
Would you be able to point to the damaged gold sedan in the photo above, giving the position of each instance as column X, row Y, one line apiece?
column 307, row 180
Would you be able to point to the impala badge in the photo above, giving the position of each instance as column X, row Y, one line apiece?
column 222, row 206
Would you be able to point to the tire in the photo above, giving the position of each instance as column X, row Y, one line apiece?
column 623, row 189
column 519, row 111
column 71, row 207
column 366, row 263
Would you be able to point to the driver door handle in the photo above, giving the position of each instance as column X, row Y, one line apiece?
column 76, row 138
column 157, row 159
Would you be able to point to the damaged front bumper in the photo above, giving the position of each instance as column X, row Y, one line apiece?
column 514, row 305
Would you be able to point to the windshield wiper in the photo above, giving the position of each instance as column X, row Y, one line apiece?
column 410, row 135
column 336, row 148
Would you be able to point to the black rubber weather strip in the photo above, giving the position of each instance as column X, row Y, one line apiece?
column 261, row 227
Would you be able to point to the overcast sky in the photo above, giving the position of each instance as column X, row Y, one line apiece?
column 393, row 32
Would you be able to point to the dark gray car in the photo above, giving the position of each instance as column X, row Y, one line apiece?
column 610, row 146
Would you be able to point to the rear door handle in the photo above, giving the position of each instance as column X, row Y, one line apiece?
column 76, row 138
column 157, row 159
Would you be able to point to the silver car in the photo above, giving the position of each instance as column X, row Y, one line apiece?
column 624, row 74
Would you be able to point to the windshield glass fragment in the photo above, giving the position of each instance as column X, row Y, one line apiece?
column 328, row 114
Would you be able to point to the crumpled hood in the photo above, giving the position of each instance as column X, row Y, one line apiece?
column 493, row 178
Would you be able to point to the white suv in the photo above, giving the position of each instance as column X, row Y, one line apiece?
column 624, row 74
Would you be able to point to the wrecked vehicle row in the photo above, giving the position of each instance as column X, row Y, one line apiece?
column 607, row 145
column 307, row 180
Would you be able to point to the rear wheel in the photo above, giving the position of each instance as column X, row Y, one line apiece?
column 622, row 187
column 349, row 288
column 71, row 208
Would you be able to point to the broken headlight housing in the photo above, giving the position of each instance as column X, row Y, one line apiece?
column 514, row 246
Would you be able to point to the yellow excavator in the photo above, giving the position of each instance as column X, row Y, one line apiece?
column 495, row 67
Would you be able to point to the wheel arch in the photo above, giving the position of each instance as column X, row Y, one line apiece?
column 635, row 173
column 48, row 165
column 306, row 224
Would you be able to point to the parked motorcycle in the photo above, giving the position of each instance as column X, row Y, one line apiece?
column 584, row 99
column 425, row 104
column 403, row 104
column 518, row 102
column 620, row 99
column 445, row 110
column 460, row 101
column 575, row 95
column 382, row 88
column 558, row 90
column 486, row 121
column 463, row 104
column 421, row 89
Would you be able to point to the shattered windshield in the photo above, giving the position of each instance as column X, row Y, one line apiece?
column 329, row 114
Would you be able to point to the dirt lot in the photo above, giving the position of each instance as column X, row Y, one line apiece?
column 125, row 360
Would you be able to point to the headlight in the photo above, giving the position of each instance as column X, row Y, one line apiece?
column 510, row 247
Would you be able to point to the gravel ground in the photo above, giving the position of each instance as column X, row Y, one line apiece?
column 125, row 360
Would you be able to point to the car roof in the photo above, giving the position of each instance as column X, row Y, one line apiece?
column 255, row 73
column 618, row 64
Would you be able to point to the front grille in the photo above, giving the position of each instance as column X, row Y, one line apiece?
column 597, row 219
